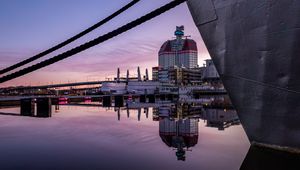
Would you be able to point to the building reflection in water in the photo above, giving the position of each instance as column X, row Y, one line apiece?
column 176, row 128
column 178, row 124
column 179, row 133
column 179, row 128
column 139, row 112
column 220, row 118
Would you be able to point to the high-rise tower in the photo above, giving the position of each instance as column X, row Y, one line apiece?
column 180, row 52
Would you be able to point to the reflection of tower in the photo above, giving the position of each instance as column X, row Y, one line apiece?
column 139, row 110
column 180, row 134
column 119, row 114
column 146, row 111
column 178, row 110
column 139, row 114
column 128, row 113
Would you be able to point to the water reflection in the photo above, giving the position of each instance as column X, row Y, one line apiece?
column 180, row 134
column 178, row 120
column 220, row 118
column 179, row 123
column 178, row 126
column 179, row 129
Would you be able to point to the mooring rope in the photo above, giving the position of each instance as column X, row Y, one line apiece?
column 94, row 42
column 68, row 41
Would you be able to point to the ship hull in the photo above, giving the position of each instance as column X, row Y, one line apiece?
column 255, row 45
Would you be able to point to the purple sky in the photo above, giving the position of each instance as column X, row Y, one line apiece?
column 31, row 26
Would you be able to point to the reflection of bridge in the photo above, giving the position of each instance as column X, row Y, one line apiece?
column 62, row 85
column 14, row 98
column 179, row 129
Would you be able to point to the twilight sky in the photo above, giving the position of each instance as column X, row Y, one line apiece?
column 31, row 26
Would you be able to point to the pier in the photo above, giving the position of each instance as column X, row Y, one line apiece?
column 42, row 104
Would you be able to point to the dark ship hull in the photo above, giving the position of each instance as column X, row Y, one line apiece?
column 255, row 45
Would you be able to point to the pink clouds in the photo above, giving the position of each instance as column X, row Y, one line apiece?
column 138, row 47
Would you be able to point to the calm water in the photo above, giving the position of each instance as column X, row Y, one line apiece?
column 173, row 136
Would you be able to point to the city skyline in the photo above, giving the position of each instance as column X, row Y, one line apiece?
column 141, row 84
column 40, row 33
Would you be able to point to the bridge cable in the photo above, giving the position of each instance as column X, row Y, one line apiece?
column 94, row 42
column 68, row 41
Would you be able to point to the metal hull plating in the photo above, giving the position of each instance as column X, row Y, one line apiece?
column 255, row 45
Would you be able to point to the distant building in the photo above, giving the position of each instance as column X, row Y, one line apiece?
column 155, row 72
column 210, row 72
column 132, row 85
column 180, row 52
column 142, row 87
column 113, row 88
column 178, row 61
column 177, row 75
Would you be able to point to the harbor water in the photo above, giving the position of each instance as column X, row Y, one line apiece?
column 137, row 136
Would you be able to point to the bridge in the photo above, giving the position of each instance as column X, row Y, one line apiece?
column 86, row 45
column 64, row 85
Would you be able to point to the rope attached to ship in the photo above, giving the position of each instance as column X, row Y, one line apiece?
column 68, row 41
column 94, row 42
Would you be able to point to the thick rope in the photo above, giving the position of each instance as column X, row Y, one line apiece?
column 68, row 41
column 94, row 42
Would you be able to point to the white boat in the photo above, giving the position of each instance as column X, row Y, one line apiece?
column 113, row 88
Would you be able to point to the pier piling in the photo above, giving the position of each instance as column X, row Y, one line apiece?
column 162, row 97
column 143, row 98
column 106, row 101
column 119, row 101
column 151, row 98
column 27, row 107
column 43, row 107
column 170, row 97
